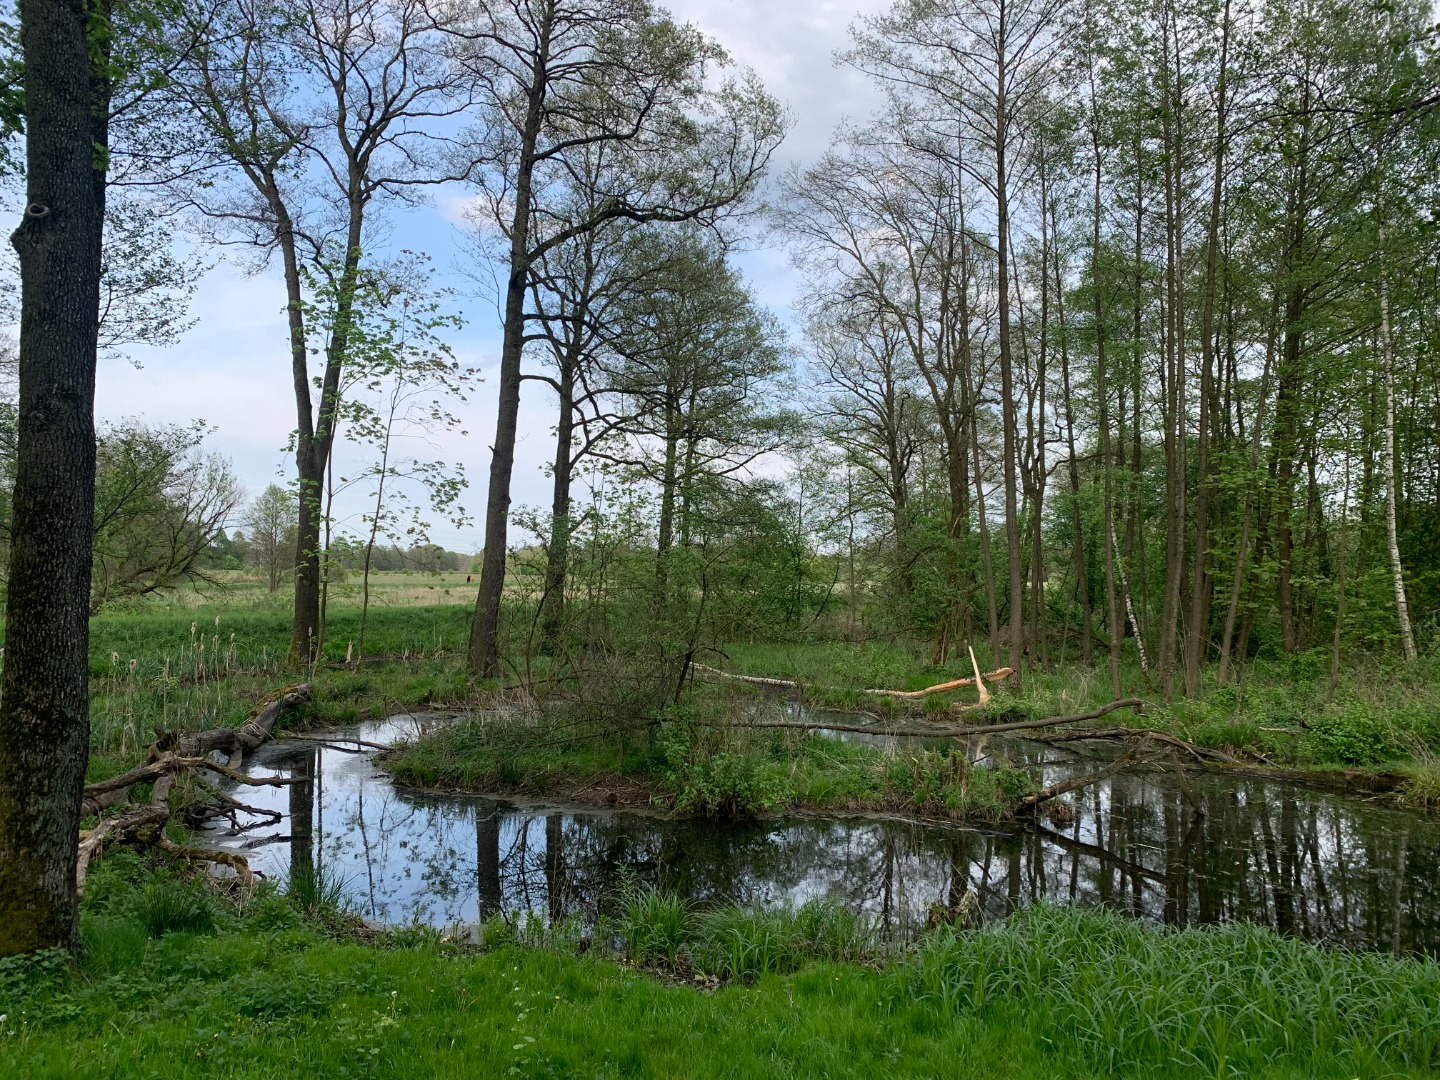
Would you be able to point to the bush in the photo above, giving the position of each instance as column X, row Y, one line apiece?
column 1349, row 736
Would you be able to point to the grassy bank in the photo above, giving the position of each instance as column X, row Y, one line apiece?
column 195, row 660
column 1379, row 716
column 178, row 981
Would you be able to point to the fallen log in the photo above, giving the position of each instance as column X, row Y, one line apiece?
column 173, row 755
column 903, row 695
column 1201, row 754
column 937, row 732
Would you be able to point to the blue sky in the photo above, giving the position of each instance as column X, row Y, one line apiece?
column 232, row 368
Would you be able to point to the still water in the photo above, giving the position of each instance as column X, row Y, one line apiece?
column 1311, row 863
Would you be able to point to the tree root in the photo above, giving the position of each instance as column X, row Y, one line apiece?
column 173, row 755
column 243, row 873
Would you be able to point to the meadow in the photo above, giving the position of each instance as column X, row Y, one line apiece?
column 181, row 975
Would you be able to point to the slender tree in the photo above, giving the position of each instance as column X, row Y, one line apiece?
column 558, row 79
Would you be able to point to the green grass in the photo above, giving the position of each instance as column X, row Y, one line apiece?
column 1218, row 1002
column 1048, row 994
column 1383, row 713
column 693, row 762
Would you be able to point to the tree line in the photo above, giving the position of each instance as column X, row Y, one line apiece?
column 1117, row 331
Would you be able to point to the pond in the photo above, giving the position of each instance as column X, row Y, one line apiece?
column 1311, row 863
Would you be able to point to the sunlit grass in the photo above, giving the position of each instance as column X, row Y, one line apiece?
column 1047, row 994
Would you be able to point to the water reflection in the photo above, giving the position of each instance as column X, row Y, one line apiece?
column 1305, row 862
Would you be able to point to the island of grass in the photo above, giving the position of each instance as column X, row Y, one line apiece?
column 730, row 747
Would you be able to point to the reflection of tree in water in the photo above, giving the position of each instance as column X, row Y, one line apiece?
column 1305, row 862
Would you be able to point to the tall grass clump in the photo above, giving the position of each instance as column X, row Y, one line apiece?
column 166, row 905
column 317, row 891
column 658, row 929
column 1132, row 999
column 736, row 942
column 653, row 926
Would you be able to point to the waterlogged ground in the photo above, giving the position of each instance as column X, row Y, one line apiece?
column 1309, row 863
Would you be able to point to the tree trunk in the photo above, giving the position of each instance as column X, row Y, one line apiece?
column 1197, row 623
column 44, row 697
column 1007, row 375
column 1102, row 391
column 1387, row 347
column 1175, row 470
column 484, row 653
column 557, row 555
column 1257, row 427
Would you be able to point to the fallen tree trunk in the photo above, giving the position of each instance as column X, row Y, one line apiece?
column 1200, row 753
column 173, row 755
column 904, row 695
column 936, row 732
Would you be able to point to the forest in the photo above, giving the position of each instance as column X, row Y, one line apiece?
column 1006, row 638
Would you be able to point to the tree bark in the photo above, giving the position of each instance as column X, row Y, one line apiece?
column 44, row 697
column 557, row 555
column 1016, row 613
column 1197, row 624
column 1392, row 543
column 484, row 652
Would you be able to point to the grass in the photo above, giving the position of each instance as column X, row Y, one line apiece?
column 1383, row 713
column 1218, row 1002
column 695, row 763
column 265, row 992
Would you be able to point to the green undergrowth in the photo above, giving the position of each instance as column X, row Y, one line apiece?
column 695, row 762
column 1382, row 714
column 251, row 984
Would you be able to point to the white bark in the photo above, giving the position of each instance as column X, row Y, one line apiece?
column 1387, row 348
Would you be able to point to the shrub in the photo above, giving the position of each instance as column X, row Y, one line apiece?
column 1350, row 736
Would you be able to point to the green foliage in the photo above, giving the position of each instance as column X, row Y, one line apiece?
column 319, row 892
column 1353, row 735
column 652, row 925
column 1044, row 994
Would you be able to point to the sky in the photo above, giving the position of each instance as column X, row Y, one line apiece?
column 232, row 368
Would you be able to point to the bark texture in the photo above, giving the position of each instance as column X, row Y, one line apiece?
column 44, row 698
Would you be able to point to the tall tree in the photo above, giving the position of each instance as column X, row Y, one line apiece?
column 44, row 695
column 977, row 67
column 557, row 79
column 317, row 112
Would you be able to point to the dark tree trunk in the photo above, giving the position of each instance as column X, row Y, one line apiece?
column 1197, row 625
column 44, row 702
column 485, row 627
column 313, row 447
column 557, row 557
column 1009, row 420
